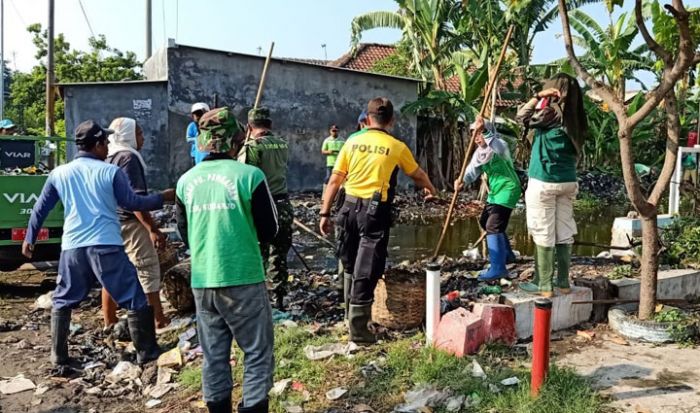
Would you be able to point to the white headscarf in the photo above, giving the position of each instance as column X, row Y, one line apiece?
column 124, row 138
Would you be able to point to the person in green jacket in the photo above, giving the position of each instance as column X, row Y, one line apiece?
column 557, row 117
column 270, row 152
column 492, row 157
column 224, row 209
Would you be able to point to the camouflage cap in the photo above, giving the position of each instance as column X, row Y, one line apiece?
column 218, row 130
column 259, row 114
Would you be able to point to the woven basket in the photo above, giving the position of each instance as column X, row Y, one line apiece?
column 167, row 257
column 399, row 303
column 176, row 287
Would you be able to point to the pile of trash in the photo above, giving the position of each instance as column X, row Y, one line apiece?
column 602, row 186
column 30, row 170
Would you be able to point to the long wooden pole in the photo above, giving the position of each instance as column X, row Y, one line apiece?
column 484, row 105
column 261, row 86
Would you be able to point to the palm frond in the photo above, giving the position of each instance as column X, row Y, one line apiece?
column 374, row 20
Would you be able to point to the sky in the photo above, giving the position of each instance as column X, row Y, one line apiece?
column 299, row 28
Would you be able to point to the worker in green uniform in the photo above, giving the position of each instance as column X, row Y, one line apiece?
column 270, row 152
column 557, row 117
column 331, row 147
column 492, row 157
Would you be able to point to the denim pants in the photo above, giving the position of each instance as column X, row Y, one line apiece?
column 242, row 313
column 79, row 268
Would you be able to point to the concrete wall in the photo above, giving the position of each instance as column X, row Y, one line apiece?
column 144, row 101
column 304, row 100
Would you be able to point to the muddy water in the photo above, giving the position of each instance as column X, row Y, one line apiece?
column 410, row 242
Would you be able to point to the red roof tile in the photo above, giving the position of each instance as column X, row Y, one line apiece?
column 367, row 54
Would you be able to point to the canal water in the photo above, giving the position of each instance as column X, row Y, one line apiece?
column 417, row 241
column 414, row 241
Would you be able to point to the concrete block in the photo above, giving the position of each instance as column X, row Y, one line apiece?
column 564, row 314
column 499, row 322
column 632, row 227
column 460, row 332
column 672, row 284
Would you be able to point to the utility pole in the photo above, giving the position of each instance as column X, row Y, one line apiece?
column 2, row 58
column 50, row 80
column 149, row 29
column 325, row 52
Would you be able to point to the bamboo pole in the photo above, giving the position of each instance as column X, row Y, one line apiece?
column 484, row 105
column 261, row 86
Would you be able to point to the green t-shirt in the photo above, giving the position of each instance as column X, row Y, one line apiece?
column 553, row 156
column 223, row 240
column 334, row 145
column 270, row 153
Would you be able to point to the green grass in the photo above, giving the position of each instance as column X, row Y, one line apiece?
column 406, row 362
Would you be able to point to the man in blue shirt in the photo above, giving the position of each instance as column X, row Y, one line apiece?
column 92, row 247
column 198, row 109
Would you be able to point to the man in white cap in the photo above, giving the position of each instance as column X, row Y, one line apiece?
column 198, row 109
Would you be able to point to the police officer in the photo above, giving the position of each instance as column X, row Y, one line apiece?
column 270, row 152
column 368, row 166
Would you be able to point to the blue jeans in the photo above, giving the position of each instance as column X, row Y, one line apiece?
column 79, row 268
column 242, row 313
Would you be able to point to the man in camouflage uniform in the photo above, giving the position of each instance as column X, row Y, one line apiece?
column 270, row 153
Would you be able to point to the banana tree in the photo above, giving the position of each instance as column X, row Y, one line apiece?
column 426, row 25
column 608, row 52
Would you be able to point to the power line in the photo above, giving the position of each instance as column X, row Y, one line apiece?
column 165, row 37
column 24, row 22
column 87, row 20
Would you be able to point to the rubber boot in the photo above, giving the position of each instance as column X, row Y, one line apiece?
column 563, row 254
column 279, row 300
column 544, row 270
column 260, row 407
column 510, row 255
column 347, row 284
column 358, row 319
column 143, row 334
column 60, row 327
column 222, row 406
column 497, row 257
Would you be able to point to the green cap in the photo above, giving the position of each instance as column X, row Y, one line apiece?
column 219, row 130
column 259, row 114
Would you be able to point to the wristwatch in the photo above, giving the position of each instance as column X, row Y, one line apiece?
column 324, row 214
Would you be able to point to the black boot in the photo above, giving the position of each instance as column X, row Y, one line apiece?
column 223, row 406
column 358, row 319
column 347, row 284
column 279, row 300
column 60, row 326
column 260, row 407
column 143, row 334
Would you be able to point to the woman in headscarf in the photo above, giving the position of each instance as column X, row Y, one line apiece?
column 140, row 233
column 557, row 118
column 492, row 157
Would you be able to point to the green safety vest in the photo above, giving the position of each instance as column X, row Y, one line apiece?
column 223, row 239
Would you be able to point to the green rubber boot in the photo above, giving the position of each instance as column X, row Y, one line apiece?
column 359, row 317
column 563, row 253
column 544, row 272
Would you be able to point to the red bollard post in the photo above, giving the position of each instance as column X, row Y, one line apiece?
column 540, row 345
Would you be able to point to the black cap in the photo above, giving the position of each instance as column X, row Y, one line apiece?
column 91, row 131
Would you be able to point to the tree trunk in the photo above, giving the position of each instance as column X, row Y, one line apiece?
column 650, row 267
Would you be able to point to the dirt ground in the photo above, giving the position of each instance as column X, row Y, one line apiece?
column 637, row 377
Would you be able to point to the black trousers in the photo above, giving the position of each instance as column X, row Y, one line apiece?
column 362, row 246
column 494, row 218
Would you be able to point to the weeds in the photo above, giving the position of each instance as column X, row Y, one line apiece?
column 683, row 328
column 403, row 363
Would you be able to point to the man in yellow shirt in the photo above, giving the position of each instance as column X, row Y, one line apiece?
column 368, row 166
